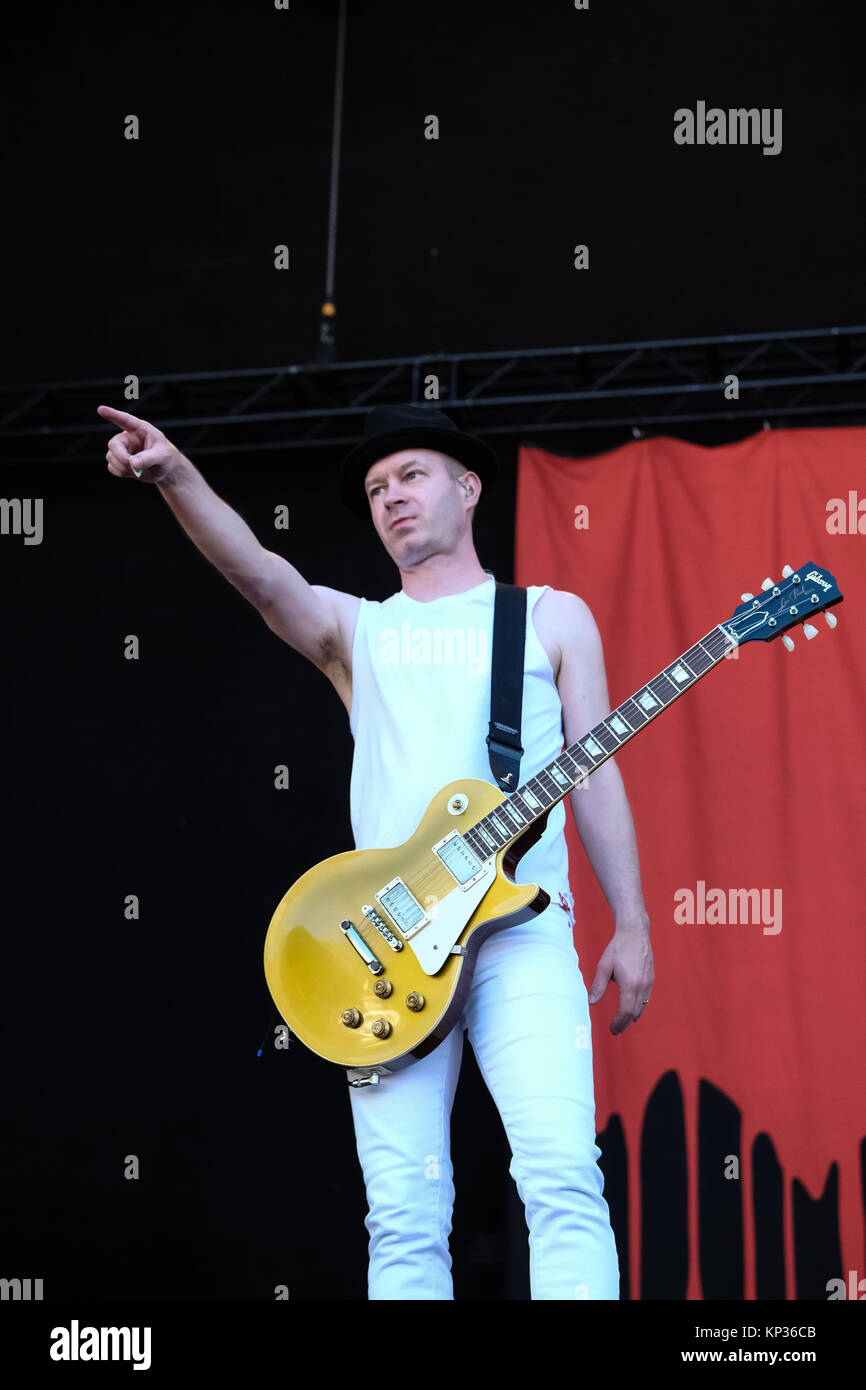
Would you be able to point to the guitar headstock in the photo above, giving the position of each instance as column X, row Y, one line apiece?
column 795, row 598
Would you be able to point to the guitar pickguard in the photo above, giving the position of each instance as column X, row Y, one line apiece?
column 432, row 942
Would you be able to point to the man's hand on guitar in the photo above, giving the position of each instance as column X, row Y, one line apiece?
column 628, row 958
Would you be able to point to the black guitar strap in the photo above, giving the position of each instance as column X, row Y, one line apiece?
column 506, row 685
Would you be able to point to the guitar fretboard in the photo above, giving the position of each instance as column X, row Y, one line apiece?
column 575, row 763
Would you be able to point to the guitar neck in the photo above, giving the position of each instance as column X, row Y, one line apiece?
column 575, row 763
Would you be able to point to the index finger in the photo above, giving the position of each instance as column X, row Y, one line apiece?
column 120, row 417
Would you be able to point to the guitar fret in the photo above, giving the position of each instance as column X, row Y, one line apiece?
column 573, row 767
column 485, row 837
column 581, row 766
column 680, row 674
column 622, row 714
column 593, row 751
column 476, row 840
column 475, row 843
column 663, row 688
column 531, row 800
column 649, row 702
column 530, row 796
column 603, row 736
column 539, row 792
column 632, row 711
column 617, row 726
column 559, row 775
column 497, row 831
column 702, row 658
column 710, row 650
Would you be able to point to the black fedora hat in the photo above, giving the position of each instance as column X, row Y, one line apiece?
column 390, row 428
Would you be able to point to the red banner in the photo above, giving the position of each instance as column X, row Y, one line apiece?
column 754, row 780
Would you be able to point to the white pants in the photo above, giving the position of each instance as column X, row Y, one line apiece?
column 527, row 1018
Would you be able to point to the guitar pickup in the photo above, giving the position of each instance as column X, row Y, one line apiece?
column 463, row 866
column 402, row 907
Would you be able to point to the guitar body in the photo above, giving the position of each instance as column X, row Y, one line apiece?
column 316, row 975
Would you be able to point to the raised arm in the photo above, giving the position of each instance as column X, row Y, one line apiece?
column 316, row 621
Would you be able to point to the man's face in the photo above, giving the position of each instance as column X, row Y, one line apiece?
column 417, row 508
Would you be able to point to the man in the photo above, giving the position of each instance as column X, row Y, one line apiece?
column 418, row 724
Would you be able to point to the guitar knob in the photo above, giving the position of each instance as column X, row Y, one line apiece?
column 351, row 1018
column 380, row 1027
column 767, row 584
column 809, row 631
column 786, row 570
column 415, row 1001
column 382, row 988
column 830, row 619
column 789, row 642
column 746, row 597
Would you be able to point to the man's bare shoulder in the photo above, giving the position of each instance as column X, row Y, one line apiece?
column 563, row 621
column 580, row 675
column 344, row 603
column 566, row 609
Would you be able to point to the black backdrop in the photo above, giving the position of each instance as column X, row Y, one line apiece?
column 155, row 777
column 556, row 129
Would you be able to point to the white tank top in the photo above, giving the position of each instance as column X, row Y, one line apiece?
column 421, row 714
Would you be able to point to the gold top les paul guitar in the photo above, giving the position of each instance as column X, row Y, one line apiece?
column 369, row 956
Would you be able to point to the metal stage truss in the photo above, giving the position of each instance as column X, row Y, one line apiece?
column 809, row 376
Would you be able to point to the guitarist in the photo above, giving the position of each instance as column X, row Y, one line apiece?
column 419, row 721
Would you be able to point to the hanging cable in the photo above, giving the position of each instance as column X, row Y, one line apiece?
column 327, row 343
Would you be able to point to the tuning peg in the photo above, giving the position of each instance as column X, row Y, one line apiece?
column 767, row 584
column 746, row 597
column 788, row 641
column 830, row 619
column 809, row 631
column 786, row 570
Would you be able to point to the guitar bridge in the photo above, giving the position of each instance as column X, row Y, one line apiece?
column 373, row 917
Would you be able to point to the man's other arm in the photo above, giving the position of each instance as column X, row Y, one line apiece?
column 602, row 814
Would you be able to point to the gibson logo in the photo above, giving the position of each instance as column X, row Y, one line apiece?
column 813, row 574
